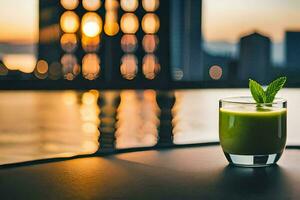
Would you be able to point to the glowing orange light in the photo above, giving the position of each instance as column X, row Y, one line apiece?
column 129, row 66
column 111, row 26
column 90, row 66
column 69, row 4
column 150, row 23
column 42, row 67
column 90, row 44
column 129, row 43
column 41, row 70
column 69, row 98
column 91, row 24
column 129, row 5
column 151, row 67
column 70, row 66
column 111, row 5
column 89, row 98
column 150, row 5
column 91, row 5
column 111, row 29
column 150, row 43
column 69, row 22
column 89, row 127
column 23, row 62
column 129, row 23
column 215, row 72
column 68, row 42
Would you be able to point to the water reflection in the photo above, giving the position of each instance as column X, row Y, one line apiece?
column 108, row 103
column 59, row 124
column 137, row 119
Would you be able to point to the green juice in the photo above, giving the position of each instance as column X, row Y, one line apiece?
column 252, row 132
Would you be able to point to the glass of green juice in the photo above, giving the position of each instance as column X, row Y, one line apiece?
column 252, row 134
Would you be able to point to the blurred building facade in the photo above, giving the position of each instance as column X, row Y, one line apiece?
column 292, row 45
column 186, row 38
column 254, row 57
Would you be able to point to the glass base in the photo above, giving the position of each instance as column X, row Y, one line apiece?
column 252, row 160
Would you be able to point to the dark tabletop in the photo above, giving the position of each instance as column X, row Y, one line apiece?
column 184, row 173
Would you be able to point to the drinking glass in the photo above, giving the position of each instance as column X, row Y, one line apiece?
column 252, row 134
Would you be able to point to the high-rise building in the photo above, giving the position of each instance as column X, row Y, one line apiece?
column 186, row 38
column 254, row 57
column 292, row 45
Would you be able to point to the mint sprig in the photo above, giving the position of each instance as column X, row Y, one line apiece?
column 266, row 96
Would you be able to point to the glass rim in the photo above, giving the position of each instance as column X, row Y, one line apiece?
column 238, row 100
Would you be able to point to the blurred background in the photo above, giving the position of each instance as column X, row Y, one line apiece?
column 123, row 70
column 148, row 43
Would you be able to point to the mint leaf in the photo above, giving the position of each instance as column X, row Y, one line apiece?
column 257, row 91
column 273, row 89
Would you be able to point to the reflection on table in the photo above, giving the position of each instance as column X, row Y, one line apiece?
column 37, row 125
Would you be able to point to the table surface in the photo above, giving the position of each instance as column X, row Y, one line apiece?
column 183, row 173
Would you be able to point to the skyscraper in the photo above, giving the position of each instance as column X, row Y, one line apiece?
column 254, row 57
column 292, row 45
column 186, row 38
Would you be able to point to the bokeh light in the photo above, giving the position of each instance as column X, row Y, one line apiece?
column 111, row 5
column 69, row 22
column 129, row 23
column 69, row 4
column 150, row 43
column 151, row 67
column 150, row 5
column 68, row 42
column 129, row 66
column 90, row 44
column 70, row 66
column 90, row 66
column 23, row 62
column 42, row 67
column 41, row 70
column 178, row 74
column 91, row 5
column 111, row 29
column 69, row 98
column 150, row 23
column 91, row 24
column 129, row 43
column 55, row 71
column 215, row 72
column 129, row 5
column 111, row 26
column 111, row 16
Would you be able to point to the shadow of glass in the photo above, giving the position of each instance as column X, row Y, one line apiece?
column 269, row 182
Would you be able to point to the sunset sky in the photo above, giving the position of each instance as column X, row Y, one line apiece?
column 229, row 19
column 222, row 19
column 19, row 21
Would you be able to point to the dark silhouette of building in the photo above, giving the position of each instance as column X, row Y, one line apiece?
column 3, row 70
column 186, row 38
column 254, row 57
column 292, row 45
column 49, row 31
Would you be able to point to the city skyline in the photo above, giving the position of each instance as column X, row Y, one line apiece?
column 196, row 57
column 219, row 24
